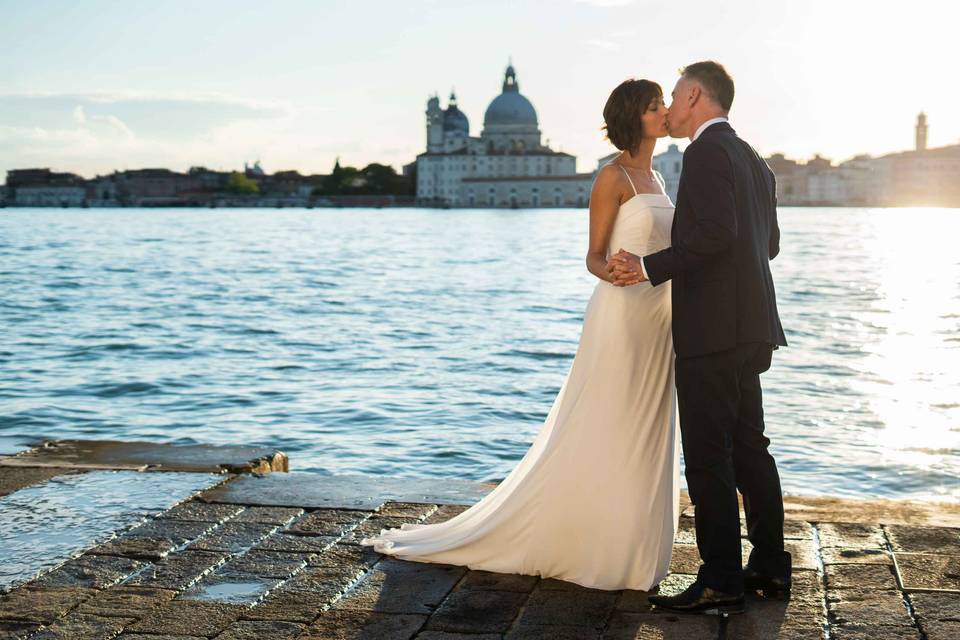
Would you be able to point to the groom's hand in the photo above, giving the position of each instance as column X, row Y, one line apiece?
column 625, row 269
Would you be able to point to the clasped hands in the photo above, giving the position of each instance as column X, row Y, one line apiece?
column 624, row 269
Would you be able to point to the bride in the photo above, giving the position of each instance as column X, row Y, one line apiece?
column 595, row 499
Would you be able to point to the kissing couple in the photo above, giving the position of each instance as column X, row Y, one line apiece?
column 683, row 316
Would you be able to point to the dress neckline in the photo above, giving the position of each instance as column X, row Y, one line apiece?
column 642, row 193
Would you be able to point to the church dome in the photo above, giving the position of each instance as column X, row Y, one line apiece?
column 454, row 119
column 510, row 107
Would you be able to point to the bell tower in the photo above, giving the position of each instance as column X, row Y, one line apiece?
column 434, row 124
column 921, row 132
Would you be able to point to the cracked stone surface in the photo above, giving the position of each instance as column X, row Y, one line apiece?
column 928, row 571
column 90, row 571
column 939, row 540
column 267, row 515
column 269, row 567
column 861, row 576
column 851, row 535
column 37, row 604
column 189, row 617
column 178, row 571
column 353, row 625
column 261, row 630
column 196, row 511
column 155, row 539
column 862, row 607
column 400, row 586
column 477, row 611
column 327, row 522
column 233, row 537
column 126, row 601
column 76, row 626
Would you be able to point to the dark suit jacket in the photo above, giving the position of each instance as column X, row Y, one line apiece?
column 724, row 235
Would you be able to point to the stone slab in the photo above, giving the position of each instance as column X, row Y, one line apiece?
column 871, row 511
column 196, row 511
column 401, row 586
column 363, row 625
column 234, row 537
column 16, row 478
column 866, row 608
column 928, row 572
column 493, row 581
column 315, row 491
column 625, row 625
column 327, row 522
column 861, row 576
column 939, row 540
column 189, row 617
column 149, row 456
column 90, row 571
column 126, row 602
column 154, row 539
column 583, row 608
column 83, row 626
column 28, row 604
column 835, row 555
column 10, row 630
column 477, row 611
column 178, row 571
column 281, row 516
column 938, row 614
column 851, row 535
column 261, row 630
column 346, row 555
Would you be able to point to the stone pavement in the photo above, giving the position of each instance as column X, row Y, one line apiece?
column 244, row 560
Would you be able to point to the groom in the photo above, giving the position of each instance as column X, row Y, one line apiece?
column 725, row 327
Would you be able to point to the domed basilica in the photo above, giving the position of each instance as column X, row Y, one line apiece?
column 507, row 166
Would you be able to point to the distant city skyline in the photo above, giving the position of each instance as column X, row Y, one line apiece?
column 97, row 86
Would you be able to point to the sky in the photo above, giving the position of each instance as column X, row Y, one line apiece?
column 99, row 85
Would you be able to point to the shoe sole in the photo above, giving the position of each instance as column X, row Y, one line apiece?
column 718, row 610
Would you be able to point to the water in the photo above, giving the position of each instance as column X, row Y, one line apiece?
column 432, row 343
column 47, row 523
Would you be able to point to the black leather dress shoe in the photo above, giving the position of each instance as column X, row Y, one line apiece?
column 770, row 586
column 699, row 598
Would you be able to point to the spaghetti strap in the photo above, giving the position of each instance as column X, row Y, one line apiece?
column 628, row 178
column 656, row 174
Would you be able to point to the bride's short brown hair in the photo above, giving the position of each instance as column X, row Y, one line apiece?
column 621, row 114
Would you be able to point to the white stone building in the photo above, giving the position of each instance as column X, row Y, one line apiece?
column 50, row 195
column 507, row 166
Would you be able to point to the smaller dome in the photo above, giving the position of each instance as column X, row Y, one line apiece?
column 454, row 119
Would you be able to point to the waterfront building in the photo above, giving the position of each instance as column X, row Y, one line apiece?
column 669, row 164
column 45, row 188
column 506, row 166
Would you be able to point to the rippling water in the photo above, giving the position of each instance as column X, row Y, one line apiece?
column 431, row 343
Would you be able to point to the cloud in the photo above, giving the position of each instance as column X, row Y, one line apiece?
column 101, row 131
column 141, row 112
column 608, row 45
column 606, row 3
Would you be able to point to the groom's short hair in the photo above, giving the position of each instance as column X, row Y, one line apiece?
column 714, row 79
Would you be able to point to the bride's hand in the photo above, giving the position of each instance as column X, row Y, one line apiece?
column 625, row 269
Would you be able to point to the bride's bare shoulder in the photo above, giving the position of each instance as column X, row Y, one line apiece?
column 609, row 175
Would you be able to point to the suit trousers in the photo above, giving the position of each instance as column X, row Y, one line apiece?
column 725, row 450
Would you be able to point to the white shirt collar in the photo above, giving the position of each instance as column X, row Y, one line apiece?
column 706, row 124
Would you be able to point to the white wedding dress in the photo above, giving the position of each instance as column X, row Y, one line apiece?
column 595, row 499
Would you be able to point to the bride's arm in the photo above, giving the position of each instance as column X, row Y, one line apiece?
column 604, row 204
